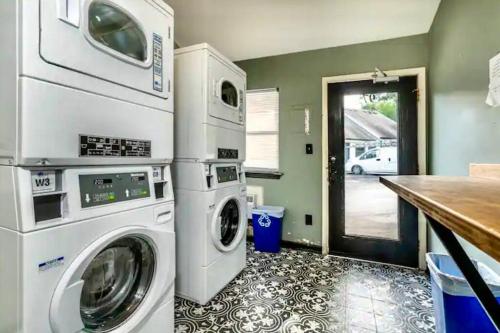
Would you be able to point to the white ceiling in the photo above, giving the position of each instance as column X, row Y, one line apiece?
column 246, row 29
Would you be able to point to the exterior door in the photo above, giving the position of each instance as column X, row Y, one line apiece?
column 367, row 220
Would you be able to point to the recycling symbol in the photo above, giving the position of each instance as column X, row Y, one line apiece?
column 264, row 221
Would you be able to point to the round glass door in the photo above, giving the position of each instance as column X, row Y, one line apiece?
column 229, row 222
column 115, row 29
column 115, row 283
column 229, row 94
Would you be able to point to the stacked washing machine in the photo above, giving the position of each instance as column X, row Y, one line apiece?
column 209, row 180
column 87, row 237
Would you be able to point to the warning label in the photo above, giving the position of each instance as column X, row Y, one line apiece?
column 101, row 146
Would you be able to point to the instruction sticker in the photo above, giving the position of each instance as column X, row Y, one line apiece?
column 157, row 63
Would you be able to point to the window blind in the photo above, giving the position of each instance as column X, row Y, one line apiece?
column 262, row 130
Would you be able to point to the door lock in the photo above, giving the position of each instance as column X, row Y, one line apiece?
column 331, row 169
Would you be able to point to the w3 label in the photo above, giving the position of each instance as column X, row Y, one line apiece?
column 43, row 181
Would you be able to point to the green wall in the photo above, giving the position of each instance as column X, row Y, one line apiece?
column 298, row 77
column 463, row 37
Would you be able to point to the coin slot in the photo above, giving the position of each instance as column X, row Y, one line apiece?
column 47, row 207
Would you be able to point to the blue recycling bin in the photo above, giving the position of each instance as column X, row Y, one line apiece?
column 456, row 308
column 267, row 224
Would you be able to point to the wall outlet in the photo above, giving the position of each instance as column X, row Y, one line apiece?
column 309, row 148
column 309, row 219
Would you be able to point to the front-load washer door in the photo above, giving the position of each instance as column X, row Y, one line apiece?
column 117, row 284
column 120, row 41
column 228, row 226
column 227, row 101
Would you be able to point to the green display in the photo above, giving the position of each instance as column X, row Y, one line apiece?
column 104, row 189
column 226, row 174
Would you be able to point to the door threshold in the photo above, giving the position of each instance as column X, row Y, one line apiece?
column 374, row 262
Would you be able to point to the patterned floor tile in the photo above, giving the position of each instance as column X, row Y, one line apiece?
column 300, row 291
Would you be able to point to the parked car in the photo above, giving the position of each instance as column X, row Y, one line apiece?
column 374, row 161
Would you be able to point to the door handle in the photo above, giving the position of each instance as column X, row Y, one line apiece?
column 378, row 160
column 331, row 168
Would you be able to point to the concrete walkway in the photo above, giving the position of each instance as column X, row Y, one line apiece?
column 371, row 208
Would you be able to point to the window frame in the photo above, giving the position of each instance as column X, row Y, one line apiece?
column 256, row 172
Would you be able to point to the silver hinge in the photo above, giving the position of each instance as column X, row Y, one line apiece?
column 168, row 85
column 169, row 29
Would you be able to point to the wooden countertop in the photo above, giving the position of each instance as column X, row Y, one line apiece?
column 469, row 206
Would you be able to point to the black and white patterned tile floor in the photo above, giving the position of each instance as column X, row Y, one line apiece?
column 305, row 292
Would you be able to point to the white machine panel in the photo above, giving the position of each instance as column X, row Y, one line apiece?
column 67, row 72
column 42, row 262
column 71, row 197
column 203, row 267
column 210, row 106
column 227, row 100
column 125, row 42
column 55, row 117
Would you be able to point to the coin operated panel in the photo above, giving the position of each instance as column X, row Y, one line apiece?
column 105, row 189
column 226, row 174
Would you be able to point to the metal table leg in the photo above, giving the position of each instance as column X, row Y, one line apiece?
column 476, row 282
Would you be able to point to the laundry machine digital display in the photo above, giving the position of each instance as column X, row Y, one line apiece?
column 103, row 189
column 227, row 174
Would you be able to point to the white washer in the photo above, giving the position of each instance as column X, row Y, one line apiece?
column 86, row 82
column 93, row 253
column 211, row 224
column 209, row 106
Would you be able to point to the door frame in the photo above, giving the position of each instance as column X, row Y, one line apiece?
column 420, row 73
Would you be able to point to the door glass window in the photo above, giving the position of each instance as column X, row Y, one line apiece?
column 113, row 28
column 371, row 125
column 115, row 283
column 230, row 220
column 229, row 94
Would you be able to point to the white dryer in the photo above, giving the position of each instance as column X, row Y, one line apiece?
column 211, row 227
column 209, row 106
column 87, row 250
column 86, row 82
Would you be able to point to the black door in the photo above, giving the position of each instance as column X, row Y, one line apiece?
column 372, row 131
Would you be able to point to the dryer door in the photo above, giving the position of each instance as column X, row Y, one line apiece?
column 228, row 227
column 111, row 285
column 121, row 41
column 228, row 94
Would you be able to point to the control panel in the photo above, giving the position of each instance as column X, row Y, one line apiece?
column 226, row 174
column 98, row 190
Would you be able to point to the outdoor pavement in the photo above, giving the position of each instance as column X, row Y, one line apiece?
column 370, row 208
